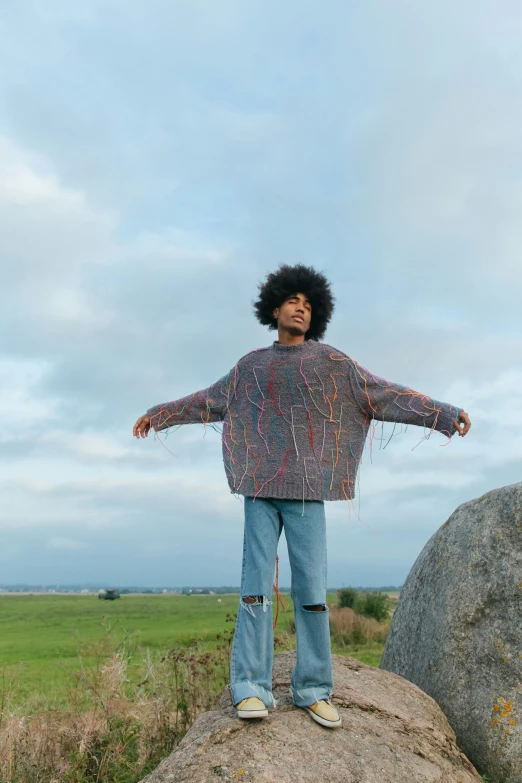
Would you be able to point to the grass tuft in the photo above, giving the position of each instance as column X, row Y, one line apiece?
column 115, row 728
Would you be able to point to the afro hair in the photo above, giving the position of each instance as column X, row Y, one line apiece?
column 299, row 279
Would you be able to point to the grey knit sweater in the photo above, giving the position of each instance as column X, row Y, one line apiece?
column 295, row 419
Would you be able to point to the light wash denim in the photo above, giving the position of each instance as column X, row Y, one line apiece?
column 253, row 646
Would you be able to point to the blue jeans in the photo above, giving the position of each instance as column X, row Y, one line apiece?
column 253, row 645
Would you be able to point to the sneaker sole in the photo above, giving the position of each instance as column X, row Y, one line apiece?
column 252, row 713
column 331, row 724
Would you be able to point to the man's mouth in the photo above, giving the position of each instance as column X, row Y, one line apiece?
column 298, row 318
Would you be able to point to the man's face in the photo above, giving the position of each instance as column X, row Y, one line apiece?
column 295, row 314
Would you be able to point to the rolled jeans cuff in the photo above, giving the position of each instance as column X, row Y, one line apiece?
column 246, row 690
column 305, row 697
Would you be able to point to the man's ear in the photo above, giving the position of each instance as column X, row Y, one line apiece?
column 276, row 313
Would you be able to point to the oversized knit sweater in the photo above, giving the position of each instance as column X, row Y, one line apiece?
column 295, row 419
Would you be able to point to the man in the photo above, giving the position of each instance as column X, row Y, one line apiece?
column 295, row 418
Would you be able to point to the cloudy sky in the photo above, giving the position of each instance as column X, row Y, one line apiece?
column 157, row 160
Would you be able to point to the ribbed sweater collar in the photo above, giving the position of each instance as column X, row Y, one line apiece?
column 296, row 348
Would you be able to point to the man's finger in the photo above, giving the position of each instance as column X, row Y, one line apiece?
column 137, row 427
column 463, row 416
column 463, row 419
column 459, row 429
column 142, row 427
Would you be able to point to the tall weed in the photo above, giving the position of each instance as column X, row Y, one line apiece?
column 121, row 718
column 348, row 628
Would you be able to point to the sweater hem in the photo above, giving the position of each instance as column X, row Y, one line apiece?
column 293, row 489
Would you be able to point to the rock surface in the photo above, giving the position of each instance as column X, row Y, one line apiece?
column 392, row 733
column 457, row 629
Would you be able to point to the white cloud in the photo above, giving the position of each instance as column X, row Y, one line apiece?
column 176, row 246
column 20, row 185
column 116, row 498
column 20, row 397
column 89, row 445
column 32, row 196
column 68, row 305
column 71, row 544
column 49, row 236
column 503, row 390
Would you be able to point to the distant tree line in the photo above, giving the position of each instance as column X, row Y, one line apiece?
column 210, row 590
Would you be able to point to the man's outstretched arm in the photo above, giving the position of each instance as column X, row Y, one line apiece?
column 384, row 400
column 202, row 406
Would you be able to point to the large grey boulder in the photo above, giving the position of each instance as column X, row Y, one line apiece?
column 457, row 629
column 392, row 733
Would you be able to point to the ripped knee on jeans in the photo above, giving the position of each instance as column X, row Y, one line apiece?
column 315, row 607
column 248, row 601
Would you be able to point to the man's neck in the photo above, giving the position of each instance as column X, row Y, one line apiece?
column 284, row 338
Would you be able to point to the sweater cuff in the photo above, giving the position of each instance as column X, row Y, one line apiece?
column 159, row 415
column 447, row 415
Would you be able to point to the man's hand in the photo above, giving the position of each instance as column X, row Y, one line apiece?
column 462, row 419
column 142, row 427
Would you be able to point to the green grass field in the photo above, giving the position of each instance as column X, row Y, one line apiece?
column 40, row 635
